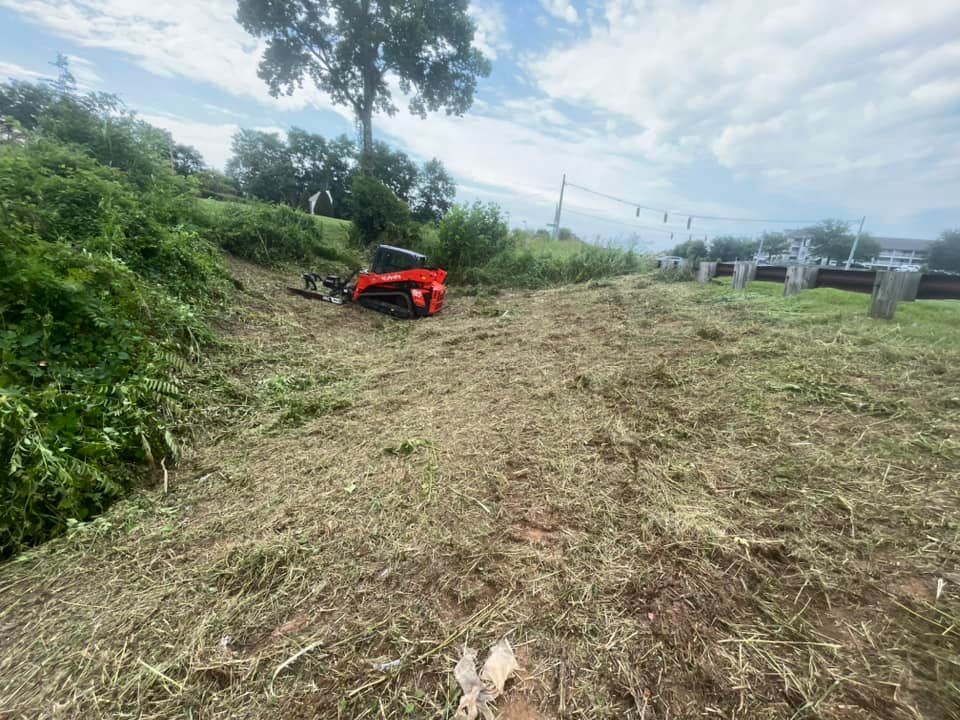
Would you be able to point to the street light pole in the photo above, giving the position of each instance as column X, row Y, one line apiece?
column 556, row 222
column 853, row 248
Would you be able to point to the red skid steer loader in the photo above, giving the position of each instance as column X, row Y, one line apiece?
column 398, row 283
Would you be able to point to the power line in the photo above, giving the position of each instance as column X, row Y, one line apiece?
column 630, row 225
column 690, row 215
column 668, row 230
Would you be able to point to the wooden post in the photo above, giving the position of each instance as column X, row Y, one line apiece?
column 911, row 285
column 888, row 288
column 705, row 271
column 794, row 282
column 800, row 277
column 743, row 273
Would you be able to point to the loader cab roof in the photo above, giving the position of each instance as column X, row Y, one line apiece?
column 388, row 258
column 392, row 248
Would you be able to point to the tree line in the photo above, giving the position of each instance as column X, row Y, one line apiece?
column 830, row 240
column 290, row 170
column 263, row 165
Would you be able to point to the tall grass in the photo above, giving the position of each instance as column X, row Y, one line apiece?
column 271, row 234
column 474, row 244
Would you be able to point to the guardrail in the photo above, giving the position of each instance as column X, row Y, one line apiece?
column 933, row 286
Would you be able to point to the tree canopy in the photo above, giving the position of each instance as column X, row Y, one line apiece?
column 290, row 170
column 354, row 51
column 945, row 252
column 690, row 249
column 435, row 192
column 727, row 248
column 832, row 240
column 98, row 122
column 262, row 166
column 395, row 170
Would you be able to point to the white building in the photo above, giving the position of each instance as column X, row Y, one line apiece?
column 894, row 252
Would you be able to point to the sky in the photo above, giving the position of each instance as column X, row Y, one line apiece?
column 774, row 114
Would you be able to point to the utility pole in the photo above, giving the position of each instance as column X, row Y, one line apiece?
column 556, row 220
column 853, row 248
column 760, row 247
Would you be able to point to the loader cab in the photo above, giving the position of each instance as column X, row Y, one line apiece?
column 388, row 259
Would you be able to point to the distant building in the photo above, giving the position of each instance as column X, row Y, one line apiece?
column 894, row 252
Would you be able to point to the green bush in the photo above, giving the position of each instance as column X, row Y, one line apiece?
column 103, row 289
column 270, row 234
column 98, row 123
column 378, row 214
column 87, row 381
column 469, row 237
column 61, row 194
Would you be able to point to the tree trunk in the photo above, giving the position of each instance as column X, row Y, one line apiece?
column 365, row 110
column 366, row 152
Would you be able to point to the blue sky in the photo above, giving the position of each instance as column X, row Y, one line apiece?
column 722, row 108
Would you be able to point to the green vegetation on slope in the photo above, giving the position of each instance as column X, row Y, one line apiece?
column 110, row 266
column 475, row 245
column 102, row 296
column 271, row 234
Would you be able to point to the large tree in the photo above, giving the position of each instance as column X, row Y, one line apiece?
column 774, row 243
column 262, row 167
column 290, row 171
column 321, row 164
column 185, row 159
column 435, row 192
column 727, row 247
column 395, row 169
column 354, row 49
column 945, row 252
column 832, row 240
column 691, row 250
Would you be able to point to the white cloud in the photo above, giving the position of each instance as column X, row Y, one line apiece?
column 844, row 100
column 218, row 110
column 81, row 68
column 491, row 35
column 211, row 139
column 561, row 9
column 832, row 103
column 18, row 72
column 198, row 40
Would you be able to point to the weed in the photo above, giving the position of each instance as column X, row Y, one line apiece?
column 709, row 333
column 675, row 274
column 407, row 447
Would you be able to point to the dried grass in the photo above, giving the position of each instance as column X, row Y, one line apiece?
column 678, row 502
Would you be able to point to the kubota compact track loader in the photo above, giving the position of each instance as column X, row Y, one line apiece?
column 398, row 283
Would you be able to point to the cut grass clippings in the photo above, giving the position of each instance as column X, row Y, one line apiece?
column 676, row 500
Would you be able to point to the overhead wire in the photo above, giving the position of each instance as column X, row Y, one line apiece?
column 632, row 226
column 688, row 214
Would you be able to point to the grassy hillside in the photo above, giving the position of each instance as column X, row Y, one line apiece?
column 330, row 228
column 271, row 234
column 675, row 499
